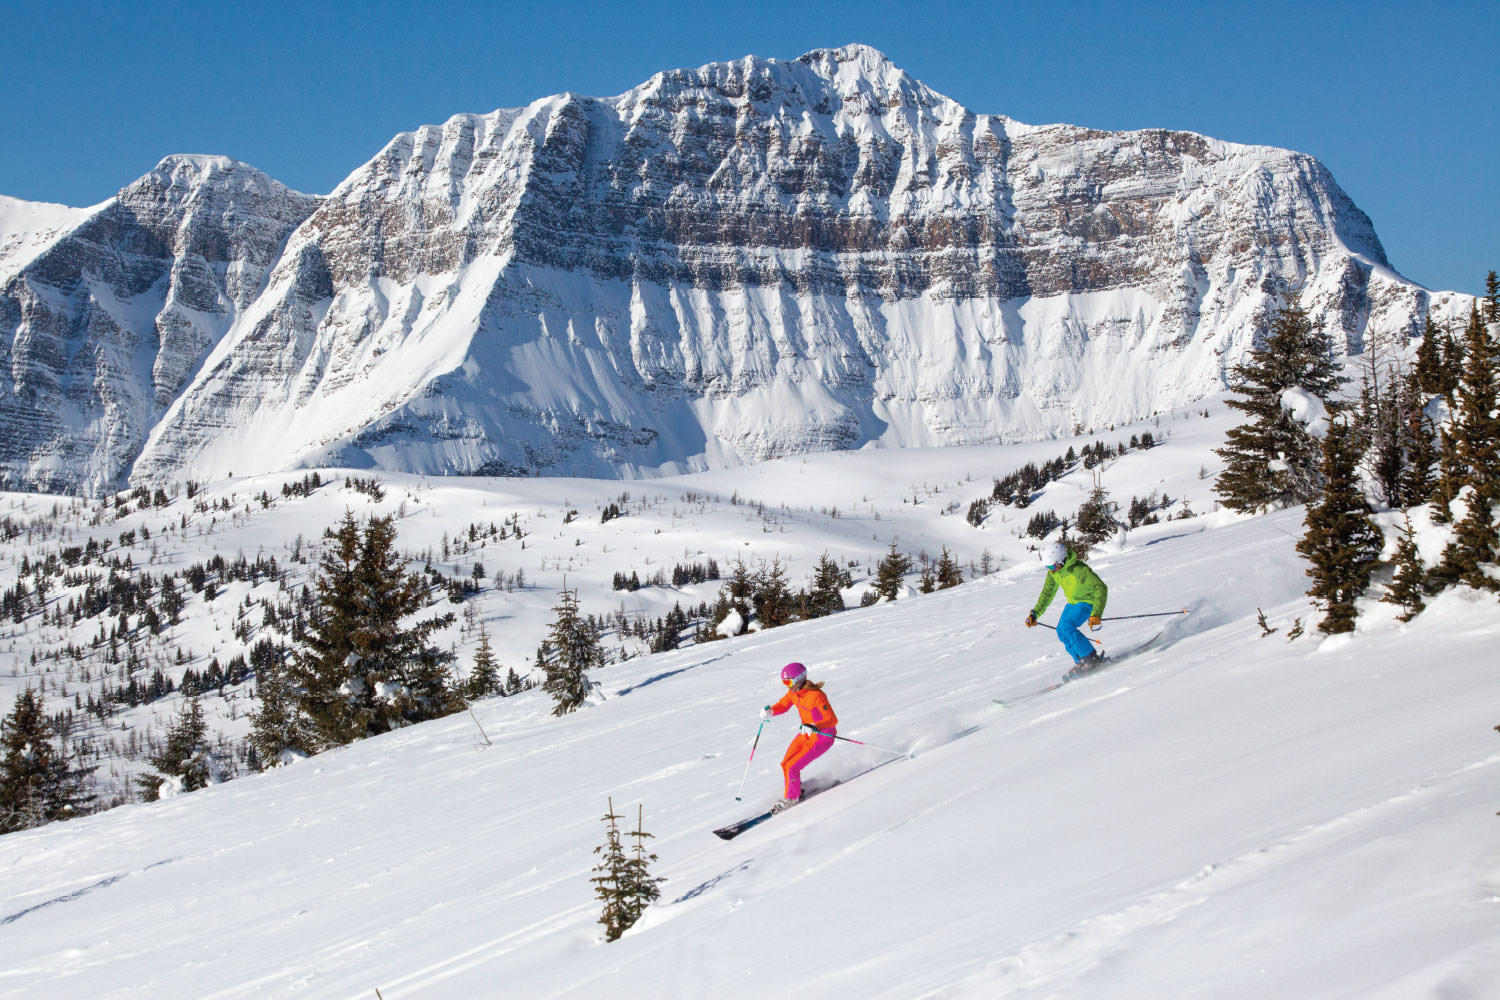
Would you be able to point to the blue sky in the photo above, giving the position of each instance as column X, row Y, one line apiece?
column 1398, row 99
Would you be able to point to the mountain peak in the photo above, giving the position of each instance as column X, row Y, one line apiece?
column 857, row 55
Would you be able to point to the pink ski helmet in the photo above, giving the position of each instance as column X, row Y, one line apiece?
column 793, row 674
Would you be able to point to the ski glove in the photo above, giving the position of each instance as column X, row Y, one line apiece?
column 812, row 730
column 1031, row 621
column 765, row 714
column 1095, row 621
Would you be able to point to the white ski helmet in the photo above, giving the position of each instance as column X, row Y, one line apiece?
column 1056, row 555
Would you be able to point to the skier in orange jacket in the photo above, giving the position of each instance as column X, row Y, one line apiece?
column 817, row 732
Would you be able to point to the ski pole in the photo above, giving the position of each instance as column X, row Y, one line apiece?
column 752, row 757
column 898, row 753
column 1154, row 614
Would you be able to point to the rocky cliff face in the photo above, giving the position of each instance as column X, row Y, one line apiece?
column 730, row 263
column 104, row 327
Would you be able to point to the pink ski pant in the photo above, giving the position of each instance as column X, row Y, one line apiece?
column 805, row 749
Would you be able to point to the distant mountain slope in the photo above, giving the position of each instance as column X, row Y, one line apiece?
column 104, row 326
column 746, row 260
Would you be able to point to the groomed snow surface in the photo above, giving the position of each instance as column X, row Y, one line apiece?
column 1224, row 815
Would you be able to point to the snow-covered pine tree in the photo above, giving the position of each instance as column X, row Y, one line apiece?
column 570, row 652
column 624, row 885
column 1272, row 459
column 408, row 673
column 185, row 760
column 1409, row 583
column 1421, row 450
column 640, row 886
column 484, row 678
column 37, row 783
column 318, row 673
column 611, row 869
column 1475, row 438
column 772, row 597
column 1341, row 542
column 1095, row 521
column 890, row 573
column 1449, row 479
column 514, row 684
column 278, row 730
column 361, row 669
column 948, row 572
column 825, row 591
column 1429, row 368
column 1381, row 430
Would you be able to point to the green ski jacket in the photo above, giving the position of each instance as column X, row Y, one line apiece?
column 1078, row 583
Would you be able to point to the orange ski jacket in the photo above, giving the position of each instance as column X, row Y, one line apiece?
column 812, row 706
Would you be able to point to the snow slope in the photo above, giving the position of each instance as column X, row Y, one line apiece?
column 28, row 228
column 1226, row 815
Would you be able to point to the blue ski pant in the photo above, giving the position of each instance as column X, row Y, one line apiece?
column 1070, row 629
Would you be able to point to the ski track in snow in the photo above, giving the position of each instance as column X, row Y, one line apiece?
column 1099, row 940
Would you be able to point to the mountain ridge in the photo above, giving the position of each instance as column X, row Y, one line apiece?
column 725, row 264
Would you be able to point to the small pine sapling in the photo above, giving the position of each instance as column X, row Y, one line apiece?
column 624, row 885
column 1410, row 580
column 1265, row 628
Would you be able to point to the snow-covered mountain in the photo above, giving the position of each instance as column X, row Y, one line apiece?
column 102, row 327
column 727, row 264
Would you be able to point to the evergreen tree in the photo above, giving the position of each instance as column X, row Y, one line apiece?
column 1421, row 453
column 37, row 783
column 1341, row 542
column 400, row 659
column 277, row 726
column 948, row 572
column 1453, row 363
column 640, row 886
column 1429, row 369
column 774, row 603
column 321, row 674
column 1095, row 521
column 611, row 869
column 571, row 651
column 361, row 670
column 1475, row 440
column 1450, row 478
column 186, row 760
column 624, row 885
column 825, row 592
column 484, row 679
column 1271, row 459
column 669, row 635
column 890, row 572
column 1409, row 582
column 1382, row 431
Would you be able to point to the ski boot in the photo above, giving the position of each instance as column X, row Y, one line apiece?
column 1086, row 665
column 782, row 805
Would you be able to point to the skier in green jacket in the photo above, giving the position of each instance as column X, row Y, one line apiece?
column 1085, row 593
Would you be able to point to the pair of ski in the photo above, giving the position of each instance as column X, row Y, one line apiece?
column 1074, row 675
column 809, row 790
